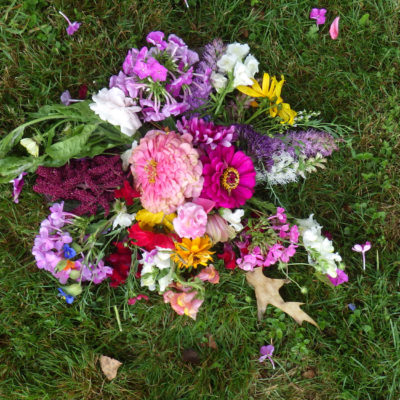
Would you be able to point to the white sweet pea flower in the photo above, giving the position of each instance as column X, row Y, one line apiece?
column 233, row 218
column 123, row 219
column 227, row 62
column 238, row 50
column 218, row 81
column 112, row 106
column 251, row 64
column 242, row 75
column 126, row 155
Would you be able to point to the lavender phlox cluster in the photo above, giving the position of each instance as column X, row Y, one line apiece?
column 48, row 250
column 206, row 133
column 201, row 84
column 311, row 142
column 89, row 181
column 159, row 78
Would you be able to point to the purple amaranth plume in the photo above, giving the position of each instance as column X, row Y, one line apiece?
column 90, row 181
column 311, row 142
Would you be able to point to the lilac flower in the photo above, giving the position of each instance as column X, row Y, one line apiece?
column 362, row 248
column 66, row 98
column 266, row 352
column 68, row 298
column 319, row 15
column 340, row 278
column 18, row 184
column 206, row 133
column 69, row 252
column 311, row 142
column 72, row 26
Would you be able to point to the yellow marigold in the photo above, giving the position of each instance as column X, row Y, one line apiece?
column 191, row 253
column 147, row 220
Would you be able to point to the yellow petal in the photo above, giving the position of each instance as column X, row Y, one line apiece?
column 265, row 84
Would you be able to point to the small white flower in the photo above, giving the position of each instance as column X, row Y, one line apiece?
column 227, row 62
column 123, row 219
column 238, row 50
column 284, row 169
column 125, row 156
column 251, row 64
column 218, row 81
column 242, row 75
column 233, row 218
column 112, row 106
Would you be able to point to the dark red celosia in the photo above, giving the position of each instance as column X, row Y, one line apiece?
column 90, row 181
column 149, row 240
column 121, row 262
column 127, row 192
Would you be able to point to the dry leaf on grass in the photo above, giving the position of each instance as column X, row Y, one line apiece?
column 109, row 366
column 267, row 292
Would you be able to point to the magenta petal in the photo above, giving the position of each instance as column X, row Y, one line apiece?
column 314, row 13
column 340, row 278
column 334, row 29
column 18, row 184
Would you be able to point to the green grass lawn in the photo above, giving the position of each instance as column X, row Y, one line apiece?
column 49, row 350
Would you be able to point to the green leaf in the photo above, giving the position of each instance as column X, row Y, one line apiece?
column 364, row 20
column 11, row 167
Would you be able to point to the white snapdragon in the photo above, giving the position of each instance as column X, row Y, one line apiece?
column 238, row 50
column 227, row 62
column 319, row 248
column 233, row 218
column 123, row 219
column 153, row 262
column 218, row 81
column 112, row 106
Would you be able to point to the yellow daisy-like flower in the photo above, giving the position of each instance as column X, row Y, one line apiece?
column 271, row 89
column 191, row 253
column 147, row 220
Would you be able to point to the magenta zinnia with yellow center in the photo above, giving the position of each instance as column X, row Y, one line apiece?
column 166, row 170
column 229, row 177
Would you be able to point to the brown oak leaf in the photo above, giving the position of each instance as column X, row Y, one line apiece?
column 109, row 366
column 267, row 292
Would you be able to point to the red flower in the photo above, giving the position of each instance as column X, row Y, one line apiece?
column 127, row 193
column 82, row 92
column 121, row 263
column 149, row 240
column 228, row 256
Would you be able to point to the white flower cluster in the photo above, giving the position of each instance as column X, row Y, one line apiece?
column 157, row 267
column 112, row 106
column 231, row 64
column 319, row 248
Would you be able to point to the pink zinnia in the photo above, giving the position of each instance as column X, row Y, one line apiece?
column 229, row 177
column 166, row 170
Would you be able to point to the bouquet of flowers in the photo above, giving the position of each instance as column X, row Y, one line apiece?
column 164, row 178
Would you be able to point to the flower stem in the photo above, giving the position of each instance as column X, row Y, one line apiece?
column 66, row 18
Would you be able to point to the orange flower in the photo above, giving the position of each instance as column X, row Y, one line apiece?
column 191, row 253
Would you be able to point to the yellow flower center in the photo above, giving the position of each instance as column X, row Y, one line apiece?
column 230, row 179
column 151, row 170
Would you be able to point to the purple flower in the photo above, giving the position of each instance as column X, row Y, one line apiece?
column 157, row 72
column 319, row 15
column 68, row 298
column 340, row 278
column 157, row 39
column 18, row 184
column 362, row 248
column 69, row 252
column 72, row 26
column 266, row 352
column 130, row 61
column 66, row 98
column 351, row 306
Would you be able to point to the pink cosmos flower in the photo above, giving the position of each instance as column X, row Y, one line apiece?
column 362, row 248
column 334, row 29
column 319, row 15
column 183, row 303
column 191, row 221
column 229, row 177
column 209, row 274
column 166, row 170
column 340, row 278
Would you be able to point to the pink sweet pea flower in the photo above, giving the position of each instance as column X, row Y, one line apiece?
column 362, row 248
column 133, row 300
column 72, row 26
column 183, row 303
column 334, row 29
column 266, row 352
column 209, row 274
column 319, row 15
column 340, row 278
column 18, row 184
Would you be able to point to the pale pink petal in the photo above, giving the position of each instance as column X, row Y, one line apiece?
column 367, row 246
column 334, row 29
column 358, row 248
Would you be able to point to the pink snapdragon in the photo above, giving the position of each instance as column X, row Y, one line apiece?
column 133, row 300
column 209, row 274
column 191, row 221
column 183, row 303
